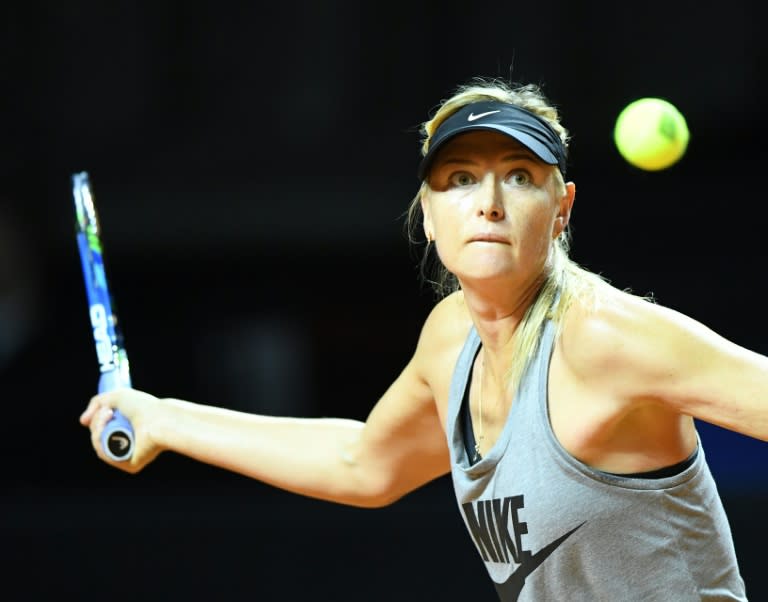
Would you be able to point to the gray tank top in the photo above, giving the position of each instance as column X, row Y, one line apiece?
column 549, row 527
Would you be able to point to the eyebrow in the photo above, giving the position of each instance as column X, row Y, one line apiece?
column 516, row 156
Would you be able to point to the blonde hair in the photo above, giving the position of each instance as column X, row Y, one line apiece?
column 565, row 280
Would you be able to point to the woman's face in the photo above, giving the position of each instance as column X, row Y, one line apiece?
column 493, row 208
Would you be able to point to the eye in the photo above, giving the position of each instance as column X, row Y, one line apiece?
column 461, row 178
column 519, row 178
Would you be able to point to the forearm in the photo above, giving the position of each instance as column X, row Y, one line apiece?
column 302, row 455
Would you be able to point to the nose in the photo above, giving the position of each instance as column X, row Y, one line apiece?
column 490, row 204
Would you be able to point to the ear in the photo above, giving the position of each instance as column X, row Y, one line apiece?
column 426, row 210
column 564, row 210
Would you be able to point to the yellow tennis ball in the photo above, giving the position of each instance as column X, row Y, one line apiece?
column 651, row 134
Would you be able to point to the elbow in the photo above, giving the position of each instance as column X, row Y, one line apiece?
column 380, row 493
column 383, row 500
column 375, row 493
column 365, row 487
column 372, row 502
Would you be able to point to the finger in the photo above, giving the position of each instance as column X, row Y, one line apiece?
column 98, row 423
column 90, row 410
column 103, row 416
column 97, row 401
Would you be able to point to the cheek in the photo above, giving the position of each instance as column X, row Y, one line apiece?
column 447, row 238
column 444, row 247
column 537, row 235
column 447, row 219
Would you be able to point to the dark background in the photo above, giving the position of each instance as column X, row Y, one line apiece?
column 252, row 163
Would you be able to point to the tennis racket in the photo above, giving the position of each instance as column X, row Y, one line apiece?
column 117, row 439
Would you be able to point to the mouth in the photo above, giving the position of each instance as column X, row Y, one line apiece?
column 489, row 237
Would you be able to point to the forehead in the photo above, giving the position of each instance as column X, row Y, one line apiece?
column 480, row 143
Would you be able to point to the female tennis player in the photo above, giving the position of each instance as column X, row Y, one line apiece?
column 562, row 407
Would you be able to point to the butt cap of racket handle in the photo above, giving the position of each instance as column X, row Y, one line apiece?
column 117, row 437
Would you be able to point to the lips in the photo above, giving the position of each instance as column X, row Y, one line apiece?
column 490, row 237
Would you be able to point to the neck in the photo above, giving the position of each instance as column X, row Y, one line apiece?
column 497, row 312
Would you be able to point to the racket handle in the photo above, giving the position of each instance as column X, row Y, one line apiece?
column 117, row 437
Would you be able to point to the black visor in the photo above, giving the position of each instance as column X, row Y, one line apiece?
column 527, row 128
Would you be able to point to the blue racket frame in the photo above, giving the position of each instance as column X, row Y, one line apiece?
column 117, row 439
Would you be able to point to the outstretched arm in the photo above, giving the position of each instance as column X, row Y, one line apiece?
column 400, row 446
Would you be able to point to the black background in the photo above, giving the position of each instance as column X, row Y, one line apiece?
column 252, row 163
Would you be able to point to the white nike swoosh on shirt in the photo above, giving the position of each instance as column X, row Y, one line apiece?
column 473, row 117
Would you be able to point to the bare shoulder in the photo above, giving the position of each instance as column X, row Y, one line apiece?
column 623, row 336
column 442, row 338
column 594, row 331
column 448, row 321
column 641, row 354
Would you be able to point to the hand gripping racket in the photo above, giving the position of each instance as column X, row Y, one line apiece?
column 117, row 438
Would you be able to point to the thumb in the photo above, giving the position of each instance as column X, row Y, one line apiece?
column 97, row 402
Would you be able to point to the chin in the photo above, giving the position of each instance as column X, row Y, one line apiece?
column 486, row 274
